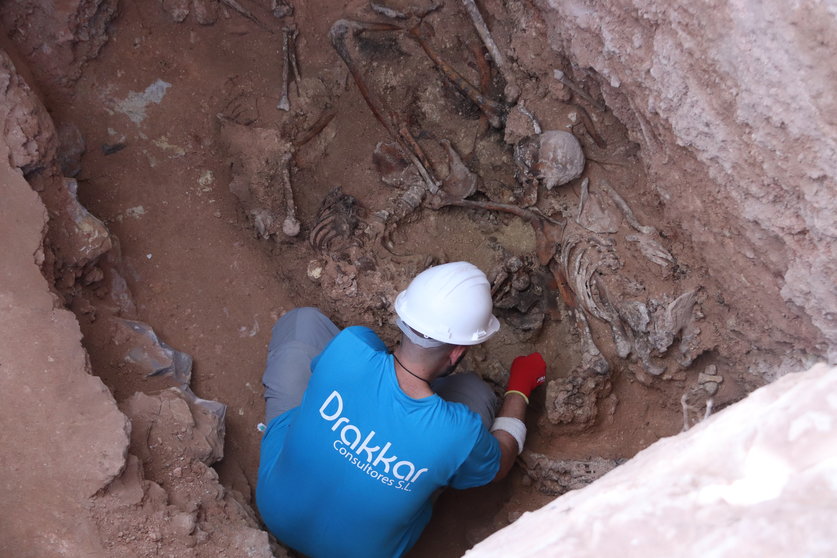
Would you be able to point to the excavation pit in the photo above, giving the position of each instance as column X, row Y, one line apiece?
column 665, row 282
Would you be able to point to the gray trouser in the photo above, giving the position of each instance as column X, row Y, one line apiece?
column 303, row 333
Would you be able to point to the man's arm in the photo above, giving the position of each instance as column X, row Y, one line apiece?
column 527, row 373
column 514, row 406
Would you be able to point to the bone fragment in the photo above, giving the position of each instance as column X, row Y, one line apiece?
column 709, row 404
column 587, row 122
column 290, row 226
column 512, row 91
column 536, row 127
column 392, row 13
column 292, row 57
column 596, row 213
column 318, row 127
column 620, row 339
column 284, row 103
column 635, row 314
column 578, row 267
column 498, row 282
column 460, row 181
column 585, row 191
column 687, row 406
column 626, row 209
column 246, row 13
column 386, row 11
column 684, row 405
column 263, row 221
column 591, row 358
column 623, row 343
column 562, row 77
column 280, row 9
column 416, row 150
column 652, row 249
column 644, row 127
column 336, row 222
column 580, row 273
column 557, row 476
column 710, row 375
column 676, row 316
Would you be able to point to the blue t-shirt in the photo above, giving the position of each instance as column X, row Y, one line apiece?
column 352, row 470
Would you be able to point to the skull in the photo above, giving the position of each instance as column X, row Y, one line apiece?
column 554, row 157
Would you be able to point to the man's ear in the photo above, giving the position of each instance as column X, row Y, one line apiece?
column 457, row 353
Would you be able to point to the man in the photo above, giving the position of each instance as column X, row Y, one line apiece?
column 360, row 440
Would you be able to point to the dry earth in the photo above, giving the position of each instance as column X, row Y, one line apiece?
column 712, row 282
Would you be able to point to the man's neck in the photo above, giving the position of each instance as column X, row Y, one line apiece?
column 413, row 378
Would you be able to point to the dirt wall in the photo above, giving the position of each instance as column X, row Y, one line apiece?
column 63, row 438
column 58, row 38
column 84, row 476
column 734, row 108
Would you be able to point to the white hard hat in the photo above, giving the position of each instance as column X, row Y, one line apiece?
column 450, row 303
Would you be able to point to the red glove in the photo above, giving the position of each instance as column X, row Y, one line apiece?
column 527, row 373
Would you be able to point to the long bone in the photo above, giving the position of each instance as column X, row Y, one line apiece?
column 587, row 122
column 338, row 35
column 290, row 226
column 591, row 357
column 562, row 77
column 246, row 13
column 392, row 13
column 494, row 111
column 626, row 209
column 284, row 103
column 533, row 217
column 292, row 58
column 512, row 90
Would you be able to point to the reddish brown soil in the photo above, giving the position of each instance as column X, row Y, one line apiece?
column 211, row 288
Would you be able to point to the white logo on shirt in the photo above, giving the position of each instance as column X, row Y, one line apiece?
column 352, row 444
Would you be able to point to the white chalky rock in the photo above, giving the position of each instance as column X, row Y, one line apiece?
column 554, row 157
column 756, row 479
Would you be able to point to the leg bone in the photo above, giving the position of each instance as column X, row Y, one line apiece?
column 284, row 104
column 495, row 112
column 512, row 90
column 291, row 225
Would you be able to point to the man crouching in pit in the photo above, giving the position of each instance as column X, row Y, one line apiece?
column 360, row 440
